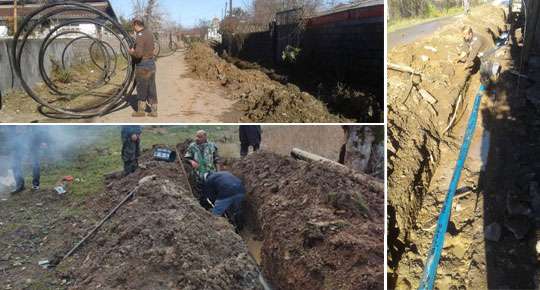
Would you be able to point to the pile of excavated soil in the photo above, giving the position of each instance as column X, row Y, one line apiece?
column 260, row 98
column 162, row 239
column 421, row 156
column 315, row 232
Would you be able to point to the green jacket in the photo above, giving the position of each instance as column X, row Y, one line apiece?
column 205, row 154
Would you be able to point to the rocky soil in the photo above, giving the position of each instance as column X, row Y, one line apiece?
column 488, row 243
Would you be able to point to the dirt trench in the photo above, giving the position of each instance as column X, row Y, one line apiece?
column 421, row 158
column 163, row 239
column 311, row 221
column 259, row 98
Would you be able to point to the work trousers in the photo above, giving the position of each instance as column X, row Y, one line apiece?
column 18, row 172
column 233, row 206
column 130, row 156
column 145, row 76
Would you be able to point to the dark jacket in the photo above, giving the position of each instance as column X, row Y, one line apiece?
column 127, row 131
column 250, row 134
column 221, row 185
column 144, row 45
column 130, row 150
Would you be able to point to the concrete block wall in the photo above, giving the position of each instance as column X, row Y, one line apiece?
column 29, row 62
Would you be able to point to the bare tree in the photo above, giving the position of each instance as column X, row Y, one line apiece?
column 263, row 11
column 150, row 12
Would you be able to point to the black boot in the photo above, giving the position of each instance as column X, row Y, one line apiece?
column 18, row 189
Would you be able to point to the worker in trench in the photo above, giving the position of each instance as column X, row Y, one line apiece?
column 250, row 135
column 131, row 149
column 203, row 157
column 145, row 70
column 226, row 192
column 469, row 51
column 27, row 141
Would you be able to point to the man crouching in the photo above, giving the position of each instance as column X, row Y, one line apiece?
column 227, row 192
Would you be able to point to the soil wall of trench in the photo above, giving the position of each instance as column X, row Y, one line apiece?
column 419, row 137
column 315, row 229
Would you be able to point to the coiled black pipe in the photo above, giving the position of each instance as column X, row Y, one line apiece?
column 63, row 107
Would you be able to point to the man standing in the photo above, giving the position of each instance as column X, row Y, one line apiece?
column 131, row 139
column 250, row 135
column 145, row 69
column 226, row 191
column 202, row 155
column 469, row 49
column 34, row 140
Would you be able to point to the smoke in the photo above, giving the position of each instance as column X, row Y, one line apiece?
column 50, row 144
column 7, row 181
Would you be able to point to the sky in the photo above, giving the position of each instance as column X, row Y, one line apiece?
column 186, row 12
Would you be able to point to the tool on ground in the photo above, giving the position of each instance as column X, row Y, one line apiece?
column 54, row 263
column 432, row 261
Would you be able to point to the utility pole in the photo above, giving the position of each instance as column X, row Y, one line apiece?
column 15, row 17
column 230, row 8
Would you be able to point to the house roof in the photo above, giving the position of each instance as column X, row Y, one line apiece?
column 26, row 7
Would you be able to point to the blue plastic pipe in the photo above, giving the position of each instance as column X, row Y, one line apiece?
column 432, row 262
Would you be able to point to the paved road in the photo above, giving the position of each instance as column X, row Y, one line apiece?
column 410, row 34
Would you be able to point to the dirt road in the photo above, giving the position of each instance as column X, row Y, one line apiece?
column 181, row 99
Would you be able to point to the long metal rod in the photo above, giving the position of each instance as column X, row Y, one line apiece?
column 113, row 211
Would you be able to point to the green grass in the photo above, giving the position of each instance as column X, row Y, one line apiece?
column 432, row 14
column 101, row 150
